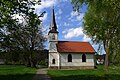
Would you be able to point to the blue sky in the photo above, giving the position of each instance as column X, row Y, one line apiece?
column 69, row 23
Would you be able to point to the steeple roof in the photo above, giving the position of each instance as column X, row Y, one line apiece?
column 53, row 27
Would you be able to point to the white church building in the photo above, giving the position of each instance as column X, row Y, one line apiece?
column 68, row 54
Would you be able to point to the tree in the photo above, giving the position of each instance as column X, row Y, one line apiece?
column 102, row 24
column 26, row 36
column 32, row 36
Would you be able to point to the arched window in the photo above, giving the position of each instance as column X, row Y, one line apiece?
column 53, row 61
column 69, row 58
column 83, row 58
column 53, row 37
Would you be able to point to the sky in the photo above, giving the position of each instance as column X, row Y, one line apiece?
column 69, row 23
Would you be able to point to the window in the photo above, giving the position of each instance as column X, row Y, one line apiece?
column 53, row 61
column 69, row 58
column 83, row 58
column 53, row 37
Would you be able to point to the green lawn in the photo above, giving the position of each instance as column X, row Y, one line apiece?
column 113, row 73
column 16, row 72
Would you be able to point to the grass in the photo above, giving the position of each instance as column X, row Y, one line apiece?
column 113, row 73
column 16, row 72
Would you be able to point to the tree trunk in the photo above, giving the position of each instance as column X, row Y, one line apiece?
column 27, row 60
column 28, row 63
column 31, row 65
column 106, row 48
column 106, row 58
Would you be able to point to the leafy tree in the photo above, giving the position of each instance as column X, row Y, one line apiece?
column 24, row 37
column 32, row 37
column 102, row 25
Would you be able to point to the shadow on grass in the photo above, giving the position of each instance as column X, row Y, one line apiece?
column 25, row 77
column 71, row 77
column 17, row 77
column 88, row 77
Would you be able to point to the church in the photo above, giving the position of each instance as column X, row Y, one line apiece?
column 68, row 54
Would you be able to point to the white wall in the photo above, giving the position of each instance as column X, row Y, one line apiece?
column 53, row 56
column 76, row 59
column 52, row 47
column 52, row 43
column 51, row 36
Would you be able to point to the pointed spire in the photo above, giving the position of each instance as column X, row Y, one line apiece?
column 53, row 27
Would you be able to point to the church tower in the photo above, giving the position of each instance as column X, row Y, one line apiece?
column 53, row 40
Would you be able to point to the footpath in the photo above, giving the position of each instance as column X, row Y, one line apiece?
column 41, row 75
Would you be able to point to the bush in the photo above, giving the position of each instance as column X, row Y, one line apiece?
column 43, row 63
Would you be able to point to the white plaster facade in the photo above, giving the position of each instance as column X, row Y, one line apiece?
column 53, row 54
column 61, row 60
column 76, row 60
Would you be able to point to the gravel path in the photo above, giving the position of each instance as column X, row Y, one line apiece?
column 41, row 75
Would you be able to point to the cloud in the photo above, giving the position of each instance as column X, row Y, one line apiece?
column 80, row 17
column 59, row 11
column 58, row 14
column 86, row 38
column 72, row 32
column 64, row 0
column 44, row 4
column 47, row 4
column 59, row 17
column 75, row 16
column 75, row 32
column 66, row 24
column 45, row 31
column 74, row 13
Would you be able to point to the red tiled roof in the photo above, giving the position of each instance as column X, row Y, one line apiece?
column 69, row 46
